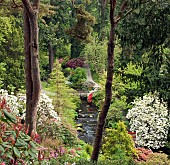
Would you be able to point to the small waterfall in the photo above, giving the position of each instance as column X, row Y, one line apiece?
column 89, row 80
column 89, row 77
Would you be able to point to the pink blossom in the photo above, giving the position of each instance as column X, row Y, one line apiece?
column 73, row 152
column 3, row 163
column 61, row 150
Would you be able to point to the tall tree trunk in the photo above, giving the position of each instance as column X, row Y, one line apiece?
column 32, row 70
column 108, row 86
column 103, row 20
column 51, row 57
column 168, row 107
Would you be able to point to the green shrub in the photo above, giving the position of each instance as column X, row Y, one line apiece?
column 55, row 130
column 66, row 100
column 158, row 158
column 77, row 78
column 118, row 145
column 67, row 71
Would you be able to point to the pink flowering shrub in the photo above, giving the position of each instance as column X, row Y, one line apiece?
column 143, row 154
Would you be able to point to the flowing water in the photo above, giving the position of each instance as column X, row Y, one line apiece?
column 87, row 112
column 87, row 121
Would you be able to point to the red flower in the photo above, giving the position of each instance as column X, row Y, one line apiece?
column 89, row 99
column 2, row 103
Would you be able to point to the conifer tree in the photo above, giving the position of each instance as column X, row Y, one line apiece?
column 65, row 98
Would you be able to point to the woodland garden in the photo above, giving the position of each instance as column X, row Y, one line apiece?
column 56, row 55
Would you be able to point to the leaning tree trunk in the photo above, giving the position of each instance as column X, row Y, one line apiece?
column 32, row 70
column 108, row 86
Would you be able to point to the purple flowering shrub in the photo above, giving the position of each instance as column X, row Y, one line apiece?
column 75, row 62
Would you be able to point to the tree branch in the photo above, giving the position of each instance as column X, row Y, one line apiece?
column 123, row 8
column 28, row 6
column 15, row 5
column 36, row 4
column 104, row 2
column 128, row 12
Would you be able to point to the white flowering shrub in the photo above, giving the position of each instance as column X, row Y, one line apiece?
column 12, row 101
column 149, row 118
column 17, row 104
column 46, row 109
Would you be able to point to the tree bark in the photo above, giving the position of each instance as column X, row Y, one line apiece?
column 103, row 19
column 108, row 85
column 32, row 71
column 168, row 107
column 51, row 57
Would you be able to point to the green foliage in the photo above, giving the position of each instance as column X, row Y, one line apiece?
column 82, row 29
column 118, row 105
column 95, row 54
column 77, row 77
column 58, row 131
column 6, row 28
column 52, row 37
column 65, row 98
column 67, row 72
column 44, row 65
column 156, row 158
column 100, row 10
column 88, row 149
column 15, row 145
column 116, row 109
column 11, row 53
column 148, row 18
column 2, row 72
column 145, row 46
column 130, row 83
column 98, row 97
column 52, row 28
column 118, row 144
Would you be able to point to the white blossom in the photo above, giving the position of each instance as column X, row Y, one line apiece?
column 149, row 118
column 17, row 104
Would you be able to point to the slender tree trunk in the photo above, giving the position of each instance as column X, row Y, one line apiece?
column 168, row 107
column 103, row 19
column 108, row 86
column 32, row 71
column 51, row 57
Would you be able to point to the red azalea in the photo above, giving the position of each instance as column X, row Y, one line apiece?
column 89, row 99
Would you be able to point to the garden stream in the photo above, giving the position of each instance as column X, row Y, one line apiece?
column 86, row 121
column 87, row 112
